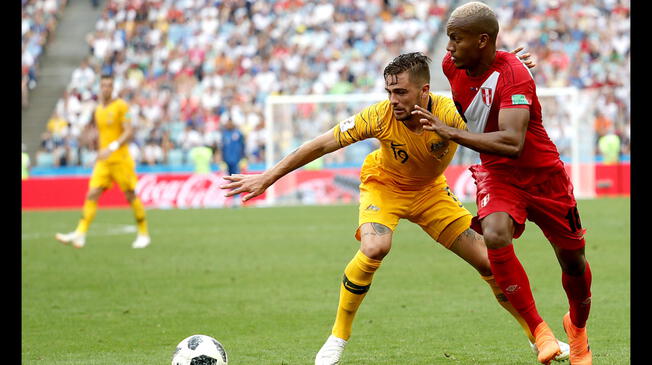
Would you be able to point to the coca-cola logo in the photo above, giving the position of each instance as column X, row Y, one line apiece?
column 193, row 191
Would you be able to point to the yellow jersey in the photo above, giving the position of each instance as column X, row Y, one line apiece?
column 110, row 120
column 407, row 159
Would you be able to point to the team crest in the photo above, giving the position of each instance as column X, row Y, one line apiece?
column 487, row 95
column 439, row 149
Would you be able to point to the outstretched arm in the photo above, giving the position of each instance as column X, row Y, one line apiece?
column 507, row 141
column 256, row 184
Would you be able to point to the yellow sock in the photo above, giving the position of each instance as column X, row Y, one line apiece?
column 502, row 300
column 355, row 284
column 139, row 214
column 88, row 214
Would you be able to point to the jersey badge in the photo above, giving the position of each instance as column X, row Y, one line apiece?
column 487, row 95
column 347, row 124
column 439, row 149
column 520, row 99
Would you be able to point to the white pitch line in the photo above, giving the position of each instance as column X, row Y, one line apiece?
column 104, row 230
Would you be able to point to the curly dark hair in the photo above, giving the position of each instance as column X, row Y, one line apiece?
column 416, row 63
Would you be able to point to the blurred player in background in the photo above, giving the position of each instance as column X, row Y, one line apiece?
column 403, row 179
column 233, row 147
column 114, row 164
column 520, row 176
column 232, row 150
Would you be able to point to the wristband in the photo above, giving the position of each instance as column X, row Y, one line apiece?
column 113, row 146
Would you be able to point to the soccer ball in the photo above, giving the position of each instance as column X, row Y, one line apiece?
column 199, row 350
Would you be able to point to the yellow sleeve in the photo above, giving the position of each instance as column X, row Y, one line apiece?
column 363, row 125
column 124, row 112
column 446, row 111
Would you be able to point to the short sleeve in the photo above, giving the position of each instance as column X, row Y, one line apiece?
column 517, row 89
column 124, row 111
column 366, row 124
column 445, row 110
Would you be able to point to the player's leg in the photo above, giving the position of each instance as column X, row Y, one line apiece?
column 498, row 230
column 375, row 243
column 444, row 218
column 142, row 239
column 100, row 180
column 502, row 212
column 576, row 280
column 379, row 212
column 125, row 176
column 77, row 238
column 559, row 220
column 470, row 246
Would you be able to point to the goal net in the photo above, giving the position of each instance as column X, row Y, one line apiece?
column 292, row 120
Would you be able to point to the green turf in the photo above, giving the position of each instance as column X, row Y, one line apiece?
column 265, row 282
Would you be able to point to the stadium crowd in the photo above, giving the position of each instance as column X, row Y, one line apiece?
column 186, row 67
column 584, row 44
column 39, row 20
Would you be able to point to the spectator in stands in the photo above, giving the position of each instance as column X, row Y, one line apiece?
column 83, row 77
column 25, row 163
column 609, row 147
column 201, row 157
column 152, row 153
column 165, row 54
column 38, row 23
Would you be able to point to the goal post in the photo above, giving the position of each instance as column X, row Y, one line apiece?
column 292, row 120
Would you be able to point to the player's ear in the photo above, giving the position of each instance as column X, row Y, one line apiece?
column 425, row 93
column 483, row 40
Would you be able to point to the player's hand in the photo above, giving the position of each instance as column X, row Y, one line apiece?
column 103, row 154
column 526, row 58
column 431, row 123
column 254, row 184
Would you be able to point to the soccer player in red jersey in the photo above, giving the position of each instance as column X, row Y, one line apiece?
column 520, row 176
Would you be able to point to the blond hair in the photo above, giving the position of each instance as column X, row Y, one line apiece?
column 477, row 17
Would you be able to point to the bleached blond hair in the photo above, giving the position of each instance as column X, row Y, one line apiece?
column 475, row 16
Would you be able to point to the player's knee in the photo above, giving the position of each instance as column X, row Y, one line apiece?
column 94, row 194
column 376, row 249
column 130, row 195
column 573, row 262
column 496, row 237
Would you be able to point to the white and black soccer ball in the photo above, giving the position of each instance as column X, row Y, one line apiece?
column 199, row 350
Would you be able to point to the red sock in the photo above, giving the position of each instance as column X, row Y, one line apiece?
column 514, row 283
column 578, row 291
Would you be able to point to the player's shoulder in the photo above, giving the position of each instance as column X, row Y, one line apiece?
column 440, row 102
column 447, row 64
column 511, row 68
column 121, row 102
column 378, row 110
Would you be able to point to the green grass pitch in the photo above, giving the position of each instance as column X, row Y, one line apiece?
column 265, row 282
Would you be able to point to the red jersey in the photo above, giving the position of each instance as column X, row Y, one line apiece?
column 506, row 84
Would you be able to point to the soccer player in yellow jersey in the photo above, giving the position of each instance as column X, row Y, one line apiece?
column 114, row 164
column 402, row 179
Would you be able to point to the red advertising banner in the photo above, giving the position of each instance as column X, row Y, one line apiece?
column 326, row 186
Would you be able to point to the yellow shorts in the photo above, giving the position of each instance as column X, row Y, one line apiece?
column 435, row 208
column 123, row 173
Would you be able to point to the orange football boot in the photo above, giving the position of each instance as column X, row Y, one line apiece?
column 580, row 351
column 546, row 343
